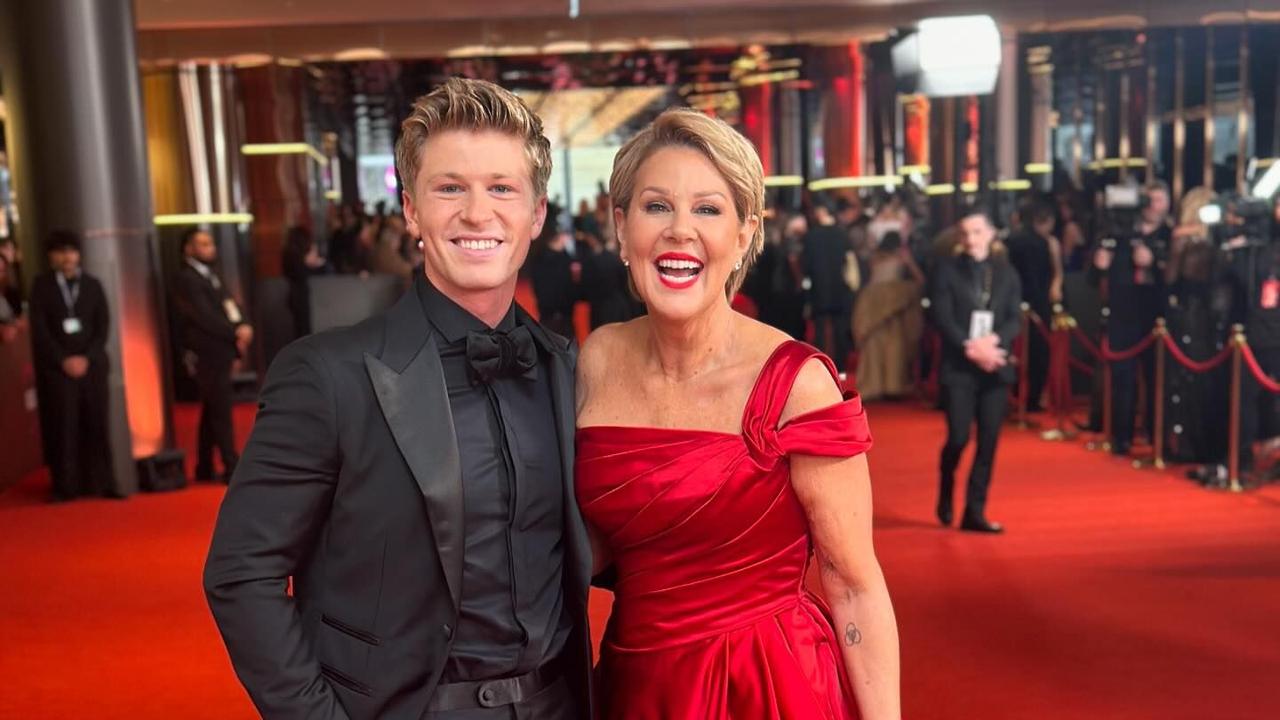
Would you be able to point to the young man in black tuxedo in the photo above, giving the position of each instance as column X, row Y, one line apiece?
column 413, row 474
column 975, row 302
column 214, row 333
column 70, row 324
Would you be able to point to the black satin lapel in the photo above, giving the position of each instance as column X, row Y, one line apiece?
column 416, row 406
column 562, row 394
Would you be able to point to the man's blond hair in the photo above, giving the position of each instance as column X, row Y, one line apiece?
column 473, row 105
column 732, row 155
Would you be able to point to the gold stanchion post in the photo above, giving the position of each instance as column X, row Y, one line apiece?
column 1105, row 443
column 1024, row 361
column 1062, row 323
column 1157, row 395
column 1233, row 443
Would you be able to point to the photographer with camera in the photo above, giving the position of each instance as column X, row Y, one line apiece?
column 1133, row 263
column 1247, row 236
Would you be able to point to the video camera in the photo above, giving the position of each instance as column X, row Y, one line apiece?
column 1238, row 220
column 1123, row 205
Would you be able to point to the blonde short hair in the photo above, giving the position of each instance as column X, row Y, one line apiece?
column 474, row 105
column 731, row 154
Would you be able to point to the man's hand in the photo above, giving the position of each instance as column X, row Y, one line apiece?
column 986, row 353
column 1102, row 259
column 1142, row 256
column 244, row 336
column 76, row 366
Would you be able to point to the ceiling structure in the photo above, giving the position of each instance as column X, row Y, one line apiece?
column 314, row 30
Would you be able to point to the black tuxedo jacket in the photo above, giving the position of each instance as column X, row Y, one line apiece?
column 204, row 326
column 952, row 301
column 351, row 485
column 50, row 343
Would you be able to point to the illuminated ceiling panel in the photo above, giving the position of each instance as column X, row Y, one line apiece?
column 586, row 117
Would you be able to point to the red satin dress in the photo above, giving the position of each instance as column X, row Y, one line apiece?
column 711, row 618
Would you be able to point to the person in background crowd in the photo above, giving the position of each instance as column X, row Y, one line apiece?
column 1070, row 230
column 8, row 313
column 342, row 243
column 605, row 283
column 1254, row 271
column 1198, row 314
column 12, row 291
column 888, row 322
column 1135, row 274
column 301, row 260
column 892, row 216
column 1037, row 256
column 214, row 333
column 975, row 302
column 785, row 277
column 826, row 248
column 387, row 254
column 70, row 324
column 555, row 287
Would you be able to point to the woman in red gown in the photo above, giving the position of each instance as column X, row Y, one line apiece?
column 715, row 458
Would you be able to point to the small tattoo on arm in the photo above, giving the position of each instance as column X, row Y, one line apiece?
column 852, row 635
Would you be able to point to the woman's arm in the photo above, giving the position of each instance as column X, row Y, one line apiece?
column 836, row 496
column 1055, row 283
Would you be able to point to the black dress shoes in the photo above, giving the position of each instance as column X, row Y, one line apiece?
column 981, row 525
column 944, row 514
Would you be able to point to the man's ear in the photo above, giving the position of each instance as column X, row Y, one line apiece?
column 410, row 214
column 539, row 216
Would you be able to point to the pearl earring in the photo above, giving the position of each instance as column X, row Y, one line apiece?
column 626, row 262
column 738, row 266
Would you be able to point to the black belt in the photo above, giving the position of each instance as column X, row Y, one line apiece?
column 495, row 693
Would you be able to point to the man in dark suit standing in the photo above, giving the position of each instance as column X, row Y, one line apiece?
column 214, row 333
column 69, row 329
column 826, row 249
column 975, row 302
column 413, row 474
column 1036, row 255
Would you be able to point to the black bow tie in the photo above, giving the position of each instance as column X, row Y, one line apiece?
column 497, row 354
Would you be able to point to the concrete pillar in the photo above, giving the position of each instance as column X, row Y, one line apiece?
column 78, row 150
column 1006, row 124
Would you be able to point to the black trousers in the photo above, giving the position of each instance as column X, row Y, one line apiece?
column 833, row 335
column 969, row 397
column 79, row 451
column 1257, row 404
column 1123, row 335
column 1037, row 368
column 213, row 380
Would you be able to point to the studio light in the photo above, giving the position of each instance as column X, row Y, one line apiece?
column 949, row 57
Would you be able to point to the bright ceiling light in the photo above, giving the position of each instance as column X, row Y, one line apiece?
column 950, row 56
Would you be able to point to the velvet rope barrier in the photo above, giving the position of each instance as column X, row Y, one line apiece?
column 1038, row 322
column 1121, row 355
column 1193, row 365
column 1080, row 335
column 1251, row 361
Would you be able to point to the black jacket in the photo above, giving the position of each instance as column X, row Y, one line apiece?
column 825, row 250
column 203, row 325
column 50, row 342
column 351, row 484
column 953, row 300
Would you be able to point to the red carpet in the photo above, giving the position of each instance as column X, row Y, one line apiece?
column 1115, row 594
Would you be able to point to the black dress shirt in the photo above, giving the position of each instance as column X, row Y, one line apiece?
column 513, row 616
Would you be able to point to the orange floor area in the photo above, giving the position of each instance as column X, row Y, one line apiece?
column 1115, row 594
